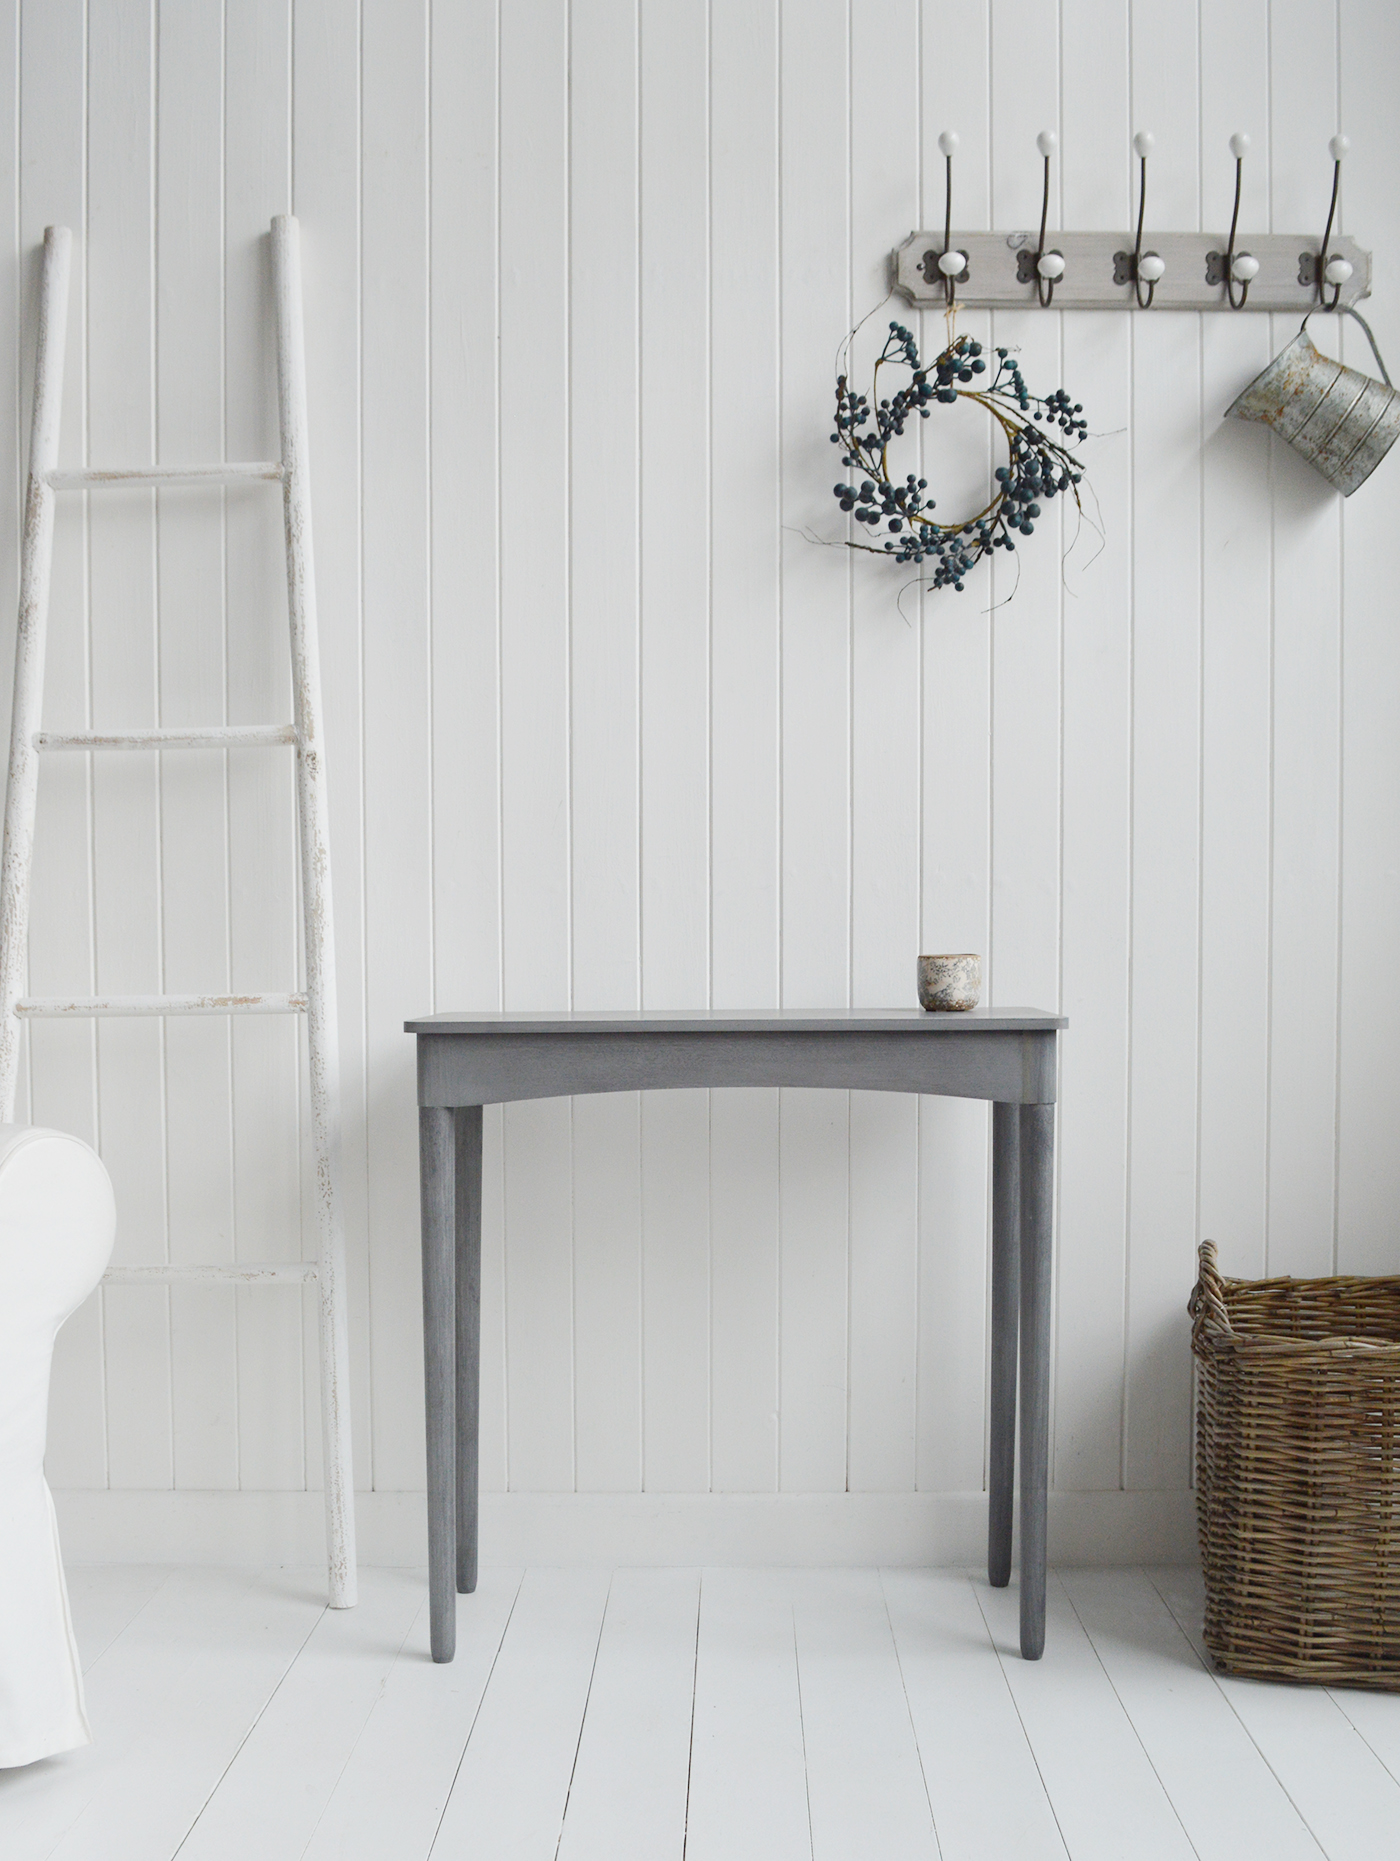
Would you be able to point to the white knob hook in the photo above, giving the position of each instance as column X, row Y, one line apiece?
column 1338, row 147
column 1239, row 145
column 1143, row 142
column 1338, row 270
column 1152, row 268
column 952, row 264
column 1047, row 142
column 948, row 142
column 1050, row 265
column 1244, row 267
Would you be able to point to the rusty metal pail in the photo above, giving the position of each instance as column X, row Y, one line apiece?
column 1341, row 421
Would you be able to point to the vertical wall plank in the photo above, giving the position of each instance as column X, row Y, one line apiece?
column 326, row 199
column 1237, row 700
column 675, row 721
column 50, row 183
column 193, row 798
column 126, row 814
column 397, row 734
column 1097, row 670
column 955, row 636
column 745, row 613
column 1166, row 607
column 815, row 698
column 1369, row 1096
column 604, row 668
column 263, row 939
column 885, row 731
column 1307, row 664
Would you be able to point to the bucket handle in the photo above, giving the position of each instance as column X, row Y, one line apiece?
column 1356, row 316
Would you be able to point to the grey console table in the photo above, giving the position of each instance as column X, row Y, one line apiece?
column 465, row 1061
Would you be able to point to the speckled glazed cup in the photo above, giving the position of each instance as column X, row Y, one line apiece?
column 949, row 984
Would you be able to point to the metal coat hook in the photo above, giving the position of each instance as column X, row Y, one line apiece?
column 1146, row 267
column 951, row 264
column 1330, row 269
column 1048, row 266
column 1235, row 267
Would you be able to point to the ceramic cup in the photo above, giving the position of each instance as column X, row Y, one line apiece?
column 949, row 983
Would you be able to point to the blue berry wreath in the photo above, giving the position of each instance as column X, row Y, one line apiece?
column 1038, row 466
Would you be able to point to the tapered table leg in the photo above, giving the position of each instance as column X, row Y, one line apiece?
column 436, row 1164
column 1037, row 1209
column 1006, row 1294
column 467, row 1179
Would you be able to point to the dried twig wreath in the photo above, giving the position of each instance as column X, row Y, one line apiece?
column 1037, row 466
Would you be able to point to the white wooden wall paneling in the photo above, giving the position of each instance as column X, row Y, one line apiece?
column 884, row 811
column 192, row 648
column 1096, row 684
column 604, row 699
column 534, row 459
column 955, row 836
column 1369, row 988
column 1306, row 758
column 52, row 149
column 262, row 818
column 745, row 793
column 1166, row 645
column 814, row 116
column 326, row 199
column 609, row 729
column 122, row 678
column 675, row 723
column 1236, row 687
column 397, row 745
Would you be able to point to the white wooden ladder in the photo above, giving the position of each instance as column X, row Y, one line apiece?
column 318, row 1001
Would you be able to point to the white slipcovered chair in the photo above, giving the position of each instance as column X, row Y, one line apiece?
column 57, row 1224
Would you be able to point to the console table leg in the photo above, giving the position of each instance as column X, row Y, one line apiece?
column 436, row 1165
column 1037, row 1210
column 1006, row 1295
column 467, row 1177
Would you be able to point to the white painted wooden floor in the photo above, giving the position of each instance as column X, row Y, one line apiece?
column 720, row 1715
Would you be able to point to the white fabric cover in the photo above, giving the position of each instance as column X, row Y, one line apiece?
column 57, row 1224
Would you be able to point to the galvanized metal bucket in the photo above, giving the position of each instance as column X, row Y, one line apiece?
column 1341, row 421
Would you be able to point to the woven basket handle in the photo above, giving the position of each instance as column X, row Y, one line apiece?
column 1207, row 1303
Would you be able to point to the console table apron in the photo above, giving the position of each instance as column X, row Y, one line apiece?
column 465, row 1061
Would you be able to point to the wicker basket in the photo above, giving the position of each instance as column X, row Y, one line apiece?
column 1298, row 1475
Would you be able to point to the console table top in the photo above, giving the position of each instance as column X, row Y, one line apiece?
column 745, row 1021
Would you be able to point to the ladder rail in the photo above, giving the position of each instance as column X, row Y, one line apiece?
column 323, row 1034
column 36, row 565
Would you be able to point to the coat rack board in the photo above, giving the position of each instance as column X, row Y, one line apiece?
column 1111, row 271
column 1097, row 272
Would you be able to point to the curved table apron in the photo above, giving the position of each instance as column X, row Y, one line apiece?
column 1006, row 1055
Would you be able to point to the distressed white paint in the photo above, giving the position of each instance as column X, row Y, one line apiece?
column 605, row 730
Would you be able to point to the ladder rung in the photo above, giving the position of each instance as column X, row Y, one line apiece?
column 284, row 1273
column 216, row 736
column 167, row 475
column 79, row 1007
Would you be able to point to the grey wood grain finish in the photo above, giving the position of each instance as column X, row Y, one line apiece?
column 1037, row 1207
column 467, row 1199
column 1006, row 1294
column 467, row 1061
column 488, row 1066
column 437, row 1144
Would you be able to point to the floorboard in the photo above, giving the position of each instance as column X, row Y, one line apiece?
column 1340, row 1787
column 865, row 1783
column 105, row 1599
column 509, row 1798
column 415, row 1735
column 748, row 1783
column 1109, row 1801
column 628, row 1793
column 282, row 1777
column 169, row 1703
column 986, row 1790
column 1229, row 1801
